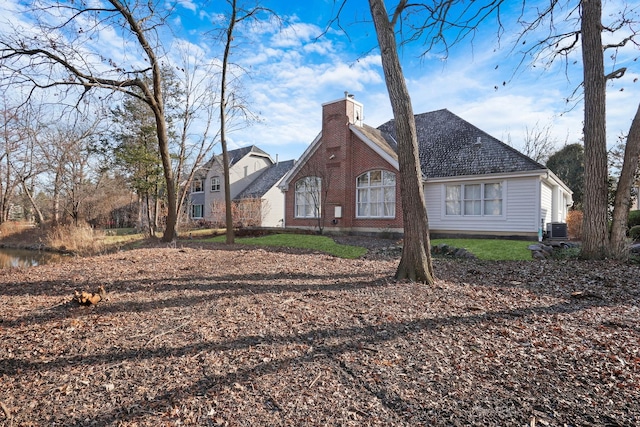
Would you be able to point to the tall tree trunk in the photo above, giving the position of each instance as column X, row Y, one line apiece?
column 6, row 194
column 147, row 202
column 39, row 216
column 595, row 231
column 156, row 209
column 170, row 231
column 155, row 98
column 56, row 198
column 618, row 240
column 230, row 237
column 415, row 263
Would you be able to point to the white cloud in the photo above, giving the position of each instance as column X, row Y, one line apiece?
column 291, row 73
column 295, row 35
column 188, row 4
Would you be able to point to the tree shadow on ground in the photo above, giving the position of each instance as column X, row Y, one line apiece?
column 328, row 344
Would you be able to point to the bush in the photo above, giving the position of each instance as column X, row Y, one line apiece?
column 634, row 233
column 10, row 228
column 80, row 239
column 634, row 219
column 574, row 225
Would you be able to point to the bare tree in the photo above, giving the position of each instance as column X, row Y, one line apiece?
column 538, row 142
column 317, row 182
column 12, row 137
column 415, row 263
column 194, row 113
column 64, row 53
column 67, row 149
column 229, row 106
column 624, row 196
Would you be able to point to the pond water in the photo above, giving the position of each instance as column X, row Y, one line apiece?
column 24, row 258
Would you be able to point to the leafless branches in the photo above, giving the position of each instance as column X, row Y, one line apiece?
column 63, row 48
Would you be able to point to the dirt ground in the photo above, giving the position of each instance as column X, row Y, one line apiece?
column 209, row 335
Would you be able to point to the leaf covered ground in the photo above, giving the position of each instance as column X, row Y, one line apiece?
column 239, row 336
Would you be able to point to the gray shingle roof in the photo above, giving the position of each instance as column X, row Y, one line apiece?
column 451, row 146
column 266, row 180
column 381, row 139
column 234, row 156
column 239, row 153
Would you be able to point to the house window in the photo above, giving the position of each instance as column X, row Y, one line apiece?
column 376, row 195
column 308, row 197
column 492, row 199
column 215, row 183
column 197, row 186
column 196, row 211
column 474, row 199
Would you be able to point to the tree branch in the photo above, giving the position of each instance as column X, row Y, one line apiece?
column 618, row 45
column 616, row 74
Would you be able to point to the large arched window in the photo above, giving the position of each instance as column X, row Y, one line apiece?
column 308, row 197
column 376, row 195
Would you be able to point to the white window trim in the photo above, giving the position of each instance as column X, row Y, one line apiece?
column 395, row 201
column 193, row 186
column 219, row 184
column 317, row 207
column 445, row 215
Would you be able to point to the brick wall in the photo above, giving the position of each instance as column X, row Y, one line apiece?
column 339, row 159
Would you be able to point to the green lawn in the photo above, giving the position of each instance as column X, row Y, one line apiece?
column 492, row 249
column 485, row 249
column 304, row 241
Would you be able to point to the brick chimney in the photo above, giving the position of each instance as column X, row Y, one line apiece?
column 337, row 116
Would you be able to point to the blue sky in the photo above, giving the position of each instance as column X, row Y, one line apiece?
column 293, row 70
column 293, row 73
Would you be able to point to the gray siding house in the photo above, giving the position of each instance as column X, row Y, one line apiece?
column 476, row 184
column 252, row 173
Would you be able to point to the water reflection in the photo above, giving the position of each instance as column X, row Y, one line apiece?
column 23, row 258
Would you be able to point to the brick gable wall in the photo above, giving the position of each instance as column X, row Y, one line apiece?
column 339, row 159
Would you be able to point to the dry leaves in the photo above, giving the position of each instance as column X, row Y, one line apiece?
column 216, row 336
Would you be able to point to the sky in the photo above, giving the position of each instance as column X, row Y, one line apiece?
column 293, row 68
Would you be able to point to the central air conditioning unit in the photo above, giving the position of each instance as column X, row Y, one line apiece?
column 557, row 230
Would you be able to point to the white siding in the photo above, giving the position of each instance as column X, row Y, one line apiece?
column 520, row 204
column 253, row 165
column 546, row 204
column 273, row 208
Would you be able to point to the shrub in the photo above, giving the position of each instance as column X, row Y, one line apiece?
column 634, row 219
column 566, row 253
column 9, row 228
column 634, row 233
column 80, row 239
column 574, row 225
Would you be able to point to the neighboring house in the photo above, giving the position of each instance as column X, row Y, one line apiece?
column 248, row 166
column 347, row 180
column 264, row 197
